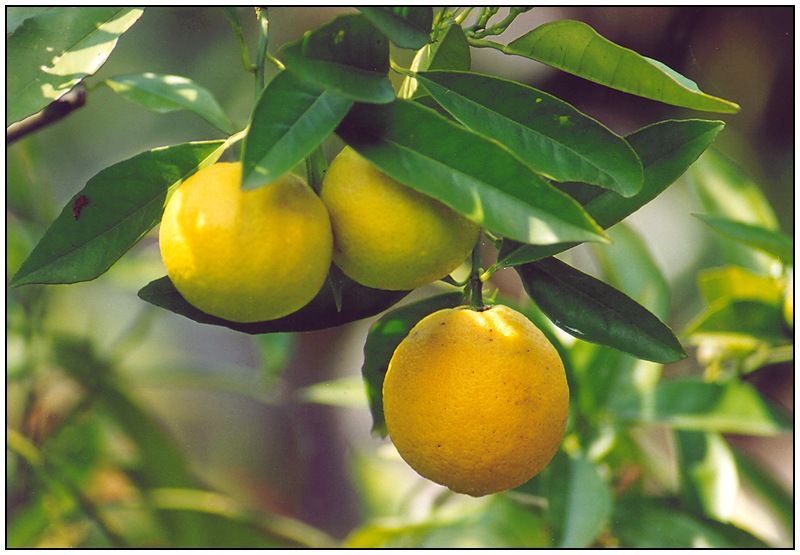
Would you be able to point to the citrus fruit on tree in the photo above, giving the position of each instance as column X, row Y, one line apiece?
column 476, row 400
column 245, row 256
column 387, row 235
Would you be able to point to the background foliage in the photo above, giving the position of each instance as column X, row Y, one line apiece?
column 130, row 425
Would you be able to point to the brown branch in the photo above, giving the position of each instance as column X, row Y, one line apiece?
column 53, row 112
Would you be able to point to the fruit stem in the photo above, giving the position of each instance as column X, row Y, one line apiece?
column 475, row 282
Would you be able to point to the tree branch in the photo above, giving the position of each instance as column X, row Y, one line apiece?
column 53, row 112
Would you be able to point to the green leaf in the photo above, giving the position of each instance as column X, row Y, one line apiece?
column 168, row 93
column 666, row 150
column 643, row 523
column 384, row 337
column 692, row 404
column 594, row 311
column 450, row 51
column 407, row 27
column 749, row 319
column 291, row 118
column 111, row 213
column 347, row 55
column 775, row 243
column 725, row 190
column 551, row 136
column 576, row 48
column 731, row 283
column 587, row 505
column 471, row 174
column 358, row 302
column 15, row 15
column 709, row 479
column 763, row 482
column 51, row 52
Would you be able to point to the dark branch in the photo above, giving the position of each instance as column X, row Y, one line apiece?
column 73, row 100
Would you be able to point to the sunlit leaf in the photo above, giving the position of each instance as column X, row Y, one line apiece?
column 168, row 93
column 576, row 48
column 737, row 283
column 357, row 302
column 710, row 481
column 347, row 55
column 407, row 27
column 469, row 173
column 450, row 51
column 290, row 119
column 594, row 311
column 52, row 51
column 384, row 337
column 111, row 213
column 553, row 137
column 666, row 150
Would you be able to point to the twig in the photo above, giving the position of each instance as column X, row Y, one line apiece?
column 53, row 112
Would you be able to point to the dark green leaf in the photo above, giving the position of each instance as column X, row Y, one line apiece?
column 666, row 150
column 594, row 311
column 471, row 174
column 407, row 27
column 692, row 404
column 710, row 481
column 776, row 243
column 553, row 137
column 652, row 524
column 450, row 51
column 576, row 48
column 357, row 302
column 384, row 337
column 51, row 52
column 168, row 93
column 111, row 213
column 291, row 118
column 725, row 190
column 346, row 55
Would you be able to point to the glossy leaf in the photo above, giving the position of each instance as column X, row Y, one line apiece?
column 290, row 119
column 346, row 55
column 321, row 312
column 576, row 48
column 111, row 213
column 384, row 337
column 51, row 52
column 773, row 242
column 725, row 190
column 594, row 311
column 653, row 524
column 710, row 483
column 666, row 150
column 450, row 51
column 465, row 171
column 407, row 27
column 551, row 136
column 692, row 404
column 168, row 93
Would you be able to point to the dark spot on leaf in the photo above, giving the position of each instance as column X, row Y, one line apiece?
column 80, row 202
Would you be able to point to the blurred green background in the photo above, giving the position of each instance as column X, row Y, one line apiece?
column 242, row 409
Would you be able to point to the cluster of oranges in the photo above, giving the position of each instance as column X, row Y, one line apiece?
column 476, row 400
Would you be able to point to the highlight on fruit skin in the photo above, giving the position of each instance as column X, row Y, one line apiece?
column 386, row 234
column 245, row 256
column 476, row 400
